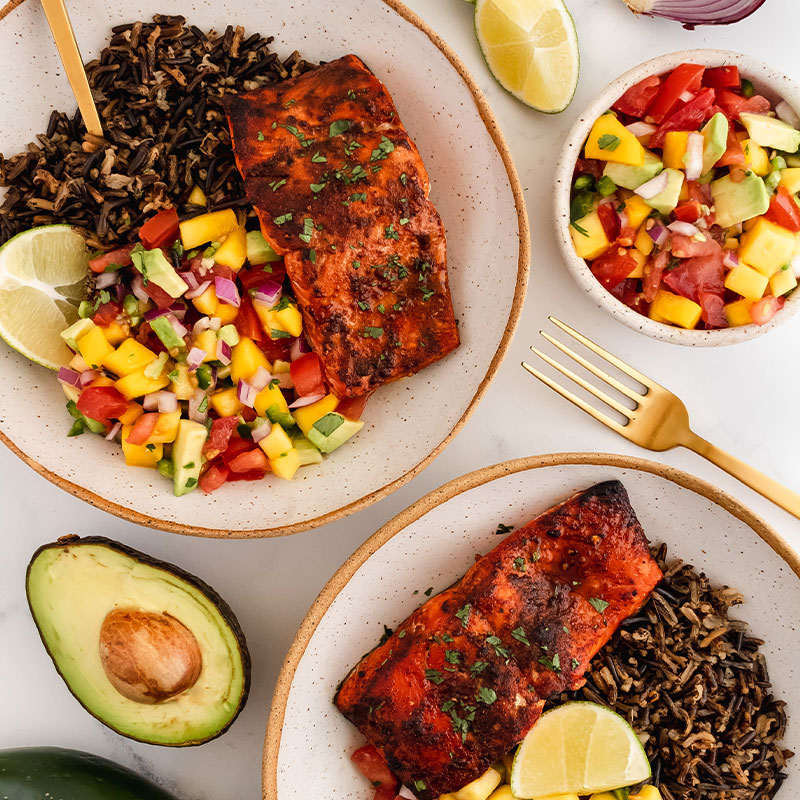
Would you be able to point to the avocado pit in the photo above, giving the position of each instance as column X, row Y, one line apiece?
column 148, row 657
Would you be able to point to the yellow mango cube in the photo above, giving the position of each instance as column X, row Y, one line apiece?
column 502, row 793
column 276, row 442
column 675, row 144
column 197, row 197
column 767, row 246
column 94, row 347
column 640, row 258
column 676, row 309
column 306, row 417
column 479, row 789
column 286, row 464
column 738, row 313
column 790, row 178
column 602, row 796
column 140, row 455
column 290, row 319
column 279, row 366
column 588, row 236
column 637, row 211
column 131, row 413
column 207, row 302
column 115, row 333
column 129, row 357
column 644, row 243
column 648, row 792
column 756, row 157
column 610, row 140
column 102, row 381
column 226, row 313
column 271, row 396
column 137, row 384
column 226, row 402
column 212, row 227
column 166, row 428
column 782, row 281
column 246, row 358
column 207, row 341
column 233, row 251
column 746, row 281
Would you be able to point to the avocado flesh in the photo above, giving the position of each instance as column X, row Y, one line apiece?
column 154, row 266
column 630, row 177
column 715, row 140
column 667, row 199
column 74, row 583
column 736, row 202
column 187, row 456
column 336, row 438
column 770, row 132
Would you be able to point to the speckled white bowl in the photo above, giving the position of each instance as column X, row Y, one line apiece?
column 767, row 81
column 474, row 187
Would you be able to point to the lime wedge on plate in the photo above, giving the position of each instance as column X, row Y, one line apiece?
column 578, row 747
column 531, row 47
column 42, row 281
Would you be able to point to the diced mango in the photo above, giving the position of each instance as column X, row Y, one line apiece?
column 637, row 211
column 166, row 428
column 226, row 402
column 502, row 793
column 94, row 347
column 738, row 313
column 212, row 227
column 131, row 413
column 782, row 281
column 767, row 246
column 207, row 341
column 137, row 384
column 683, row 195
column 790, row 178
column 115, row 333
column 610, row 140
column 676, row 309
column 648, row 792
column 290, row 319
column 184, row 383
column 233, row 251
column 746, row 281
column 276, row 442
column 640, row 258
column 102, row 380
column 207, row 302
column 246, row 358
column 675, row 144
column 226, row 313
column 70, row 392
column 602, row 796
column 756, row 157
column 78, row 364
column 197, row 197
column 644, row 242
column 479, row 789
column 305, row 417
column 286, row 464
column 588, row 236
column 279, row 367
column 271, row 396
column 140, row 455
column 129, row 357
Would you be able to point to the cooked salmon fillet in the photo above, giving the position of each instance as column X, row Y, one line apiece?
column 342, row 193
column 463, row 679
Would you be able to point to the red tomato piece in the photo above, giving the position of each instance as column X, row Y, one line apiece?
column 732, row 103
column 160, row 230
column 689, row 117
column 734, row 154
column 101, row 403
column 722, row 77
column 636, row 100
column 251, row 475
column 142, row 429
column 653, row 270
column 689, row 211
column 765, row 309
column 695, row 275
column 713, row 313
column 688, row 247
column 784, row 211
column 219, row 436
column 105, row 314
column 221, row 271
column 247, row 321
column 236, row 446
column 213, row 478
column 306, row 374
column 684, row 78
column 157, row 295
column 613, row 266
column 589, row 166
column 253, row 277
column 373, row 765
column 610, row 221
column 275, row 349
column 385, row 793
column 249, row 461
column 121, row 257
column 352, row 407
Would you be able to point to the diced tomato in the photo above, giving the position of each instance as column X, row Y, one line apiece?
column 352, row 407
column 713, row 313
column 732, row 103
column 734, row 154
column 765, row 309
column 157, row 295
column 306, row 373
column 119, row 257
column 221, row 271
column 653, row 270
column 610, row 221
column 253, row 277
column 247, row 321
column 684, row 78
column 385, row 793
column 213, row 478
column 160, row 230
column 688, row 247
column 700, row 192
column 689, row 117
column 249, row 461
column 636, row 100
column 219, row 436
column 236, row 445
column 373, row 765
column 613, row 266
column 248, row 414
column 142, row 429
column 589, row 166
column 275, row 349
column 101, row 403
column 784, row 211
column 695, row 275
column 689, row 211
column 105, row 314
column 722, row 77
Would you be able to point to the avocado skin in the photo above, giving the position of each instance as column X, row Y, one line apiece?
column 41, row 773
column 225, row 610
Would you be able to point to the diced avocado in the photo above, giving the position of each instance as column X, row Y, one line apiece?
column 258, row 249
column 666, row 200
column 229, row 335
column 771, row 132
column 162, row 328
column 155, row 267
column 332, row 431
column 280, row 415
column 737, row 202
column 181, row 382
column 154, row 369
column 715, row 140
column 187, row 455
column 92, row 424
column 633, row 177
column 75, row 331
column 307, row 451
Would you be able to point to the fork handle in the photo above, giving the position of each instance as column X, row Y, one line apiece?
column 765, row 486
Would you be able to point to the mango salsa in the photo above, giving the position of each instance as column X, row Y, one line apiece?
column 588, row 236
column 610, row 140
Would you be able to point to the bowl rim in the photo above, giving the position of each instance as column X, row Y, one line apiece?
column 443, row 494
column 775, row 82
column 523, row 270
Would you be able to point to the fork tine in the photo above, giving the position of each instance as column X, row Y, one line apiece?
column 596, row 371
column 602, row 396
column 595, row 348
column 582, row 404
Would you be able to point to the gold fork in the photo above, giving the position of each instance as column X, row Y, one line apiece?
column 658, row 421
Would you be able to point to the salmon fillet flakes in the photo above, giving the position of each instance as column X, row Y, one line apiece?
column 341, row 192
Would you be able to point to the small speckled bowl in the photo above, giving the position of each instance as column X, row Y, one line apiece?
column 768, row 82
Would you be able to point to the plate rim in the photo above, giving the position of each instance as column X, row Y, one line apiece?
column 523, row 270
column 446, row 492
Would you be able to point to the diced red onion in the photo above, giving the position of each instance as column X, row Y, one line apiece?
column 137, row 287
column 115, row 429
column 178, row 327
column 227, row 291
column 653, row 187
column 178, row 309
column 214, row 323
column 150, row 401
column 406, row 793
column 190, row 279
column 787, row 114
column 261, row 379
column 203, row 324
column 198, row 290
column 70, row 377
column 194, row 406
column 87, row 376
column 685, row 96
column 194, row 358
column 106, row 279
column 683, row 228
column 261, row 431
column 299, row 348
column 155, row 312
column 730, row 259
column 696, row 12
column 119, row 292
column 224, row 352
column 268, row 292
column 167, row 402
column 641, row 130
column 694, row 156
column 246, row 393
column 306, row 401
column 284, row 380
column 623, row 219
column 658, row 233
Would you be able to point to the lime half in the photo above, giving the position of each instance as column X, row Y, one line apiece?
column 531, row 47
column 42, row 281
column 578, row 747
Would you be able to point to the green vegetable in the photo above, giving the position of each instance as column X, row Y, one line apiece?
column 130, row 305
column 582, row 204
column 584, row 182
column 156, row 366
column 606, row 186
column 203, row 375
column 166, row 467
column 229, row 334
column 748, row 89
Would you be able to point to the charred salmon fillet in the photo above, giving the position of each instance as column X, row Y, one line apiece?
column 463, row 679
column 341, row 192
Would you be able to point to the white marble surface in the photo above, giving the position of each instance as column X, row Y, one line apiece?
column 742, row 398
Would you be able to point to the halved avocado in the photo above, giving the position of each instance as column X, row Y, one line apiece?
column 148, row 649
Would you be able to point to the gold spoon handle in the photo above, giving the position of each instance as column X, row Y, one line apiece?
column 58, row 19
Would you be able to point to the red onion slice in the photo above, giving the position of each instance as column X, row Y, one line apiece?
column 261, row 431
column 155, row 312
column 190, row 279
column 261, row 379
column 684, row 228
column 137, row 287
column 246, row 393
column 167, row 402
column 115, row 429
column 194, row 358
column 179, row 328
column 268, row 292
column 198, row 290
column 69, row 377
column 694, row 156
column 150, row 401
column 306, row 401
column 299, row 348
column 224, row 353
column 178, row 308
column 642, row 130
column 284, row 380
column 730, row 259
column 227, row 291
column 107, row 279
column 203, row 324
column 653, row 187
column 87, row 376
column 658, row 233
column 195, row 402
column 696, row 12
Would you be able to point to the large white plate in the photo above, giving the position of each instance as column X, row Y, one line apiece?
column 474, row 187
column 308, row 743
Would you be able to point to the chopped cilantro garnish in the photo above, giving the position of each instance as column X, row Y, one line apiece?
column 502, row 529
column 403, row 178
column 581, row 231
column 397, row 306
column 434, row 676
column 318, row 159
column 312, row 256
column 486, row 695
column 298, row 135
column 308, row 229
column 338, row 127
column 463, row 614
column 598, row 604
column 371, row 332
column 150, row 447
column 427, row 294
column 363, row 306
column 553, row 664
column 452, row 656
column 608, row 142
column 317, row 187
column 402, row 634
column 383, row 149
column 260, row 136
column 404, row 220
column 478, row 667
column 519, row 564
column 289, row 103
column 283, row 218
column 575, row 663
column 520, row 636
column 428, row 591
column 276, row 184
column 356, row 264
column 497, row 644
column 358, row 196
column 536, row 555
column 389, row 232
column 276, row 334
column 381, row 308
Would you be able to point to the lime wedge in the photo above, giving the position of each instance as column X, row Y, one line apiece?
column 578, row 747
column 531, row 47
column 42, row 280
